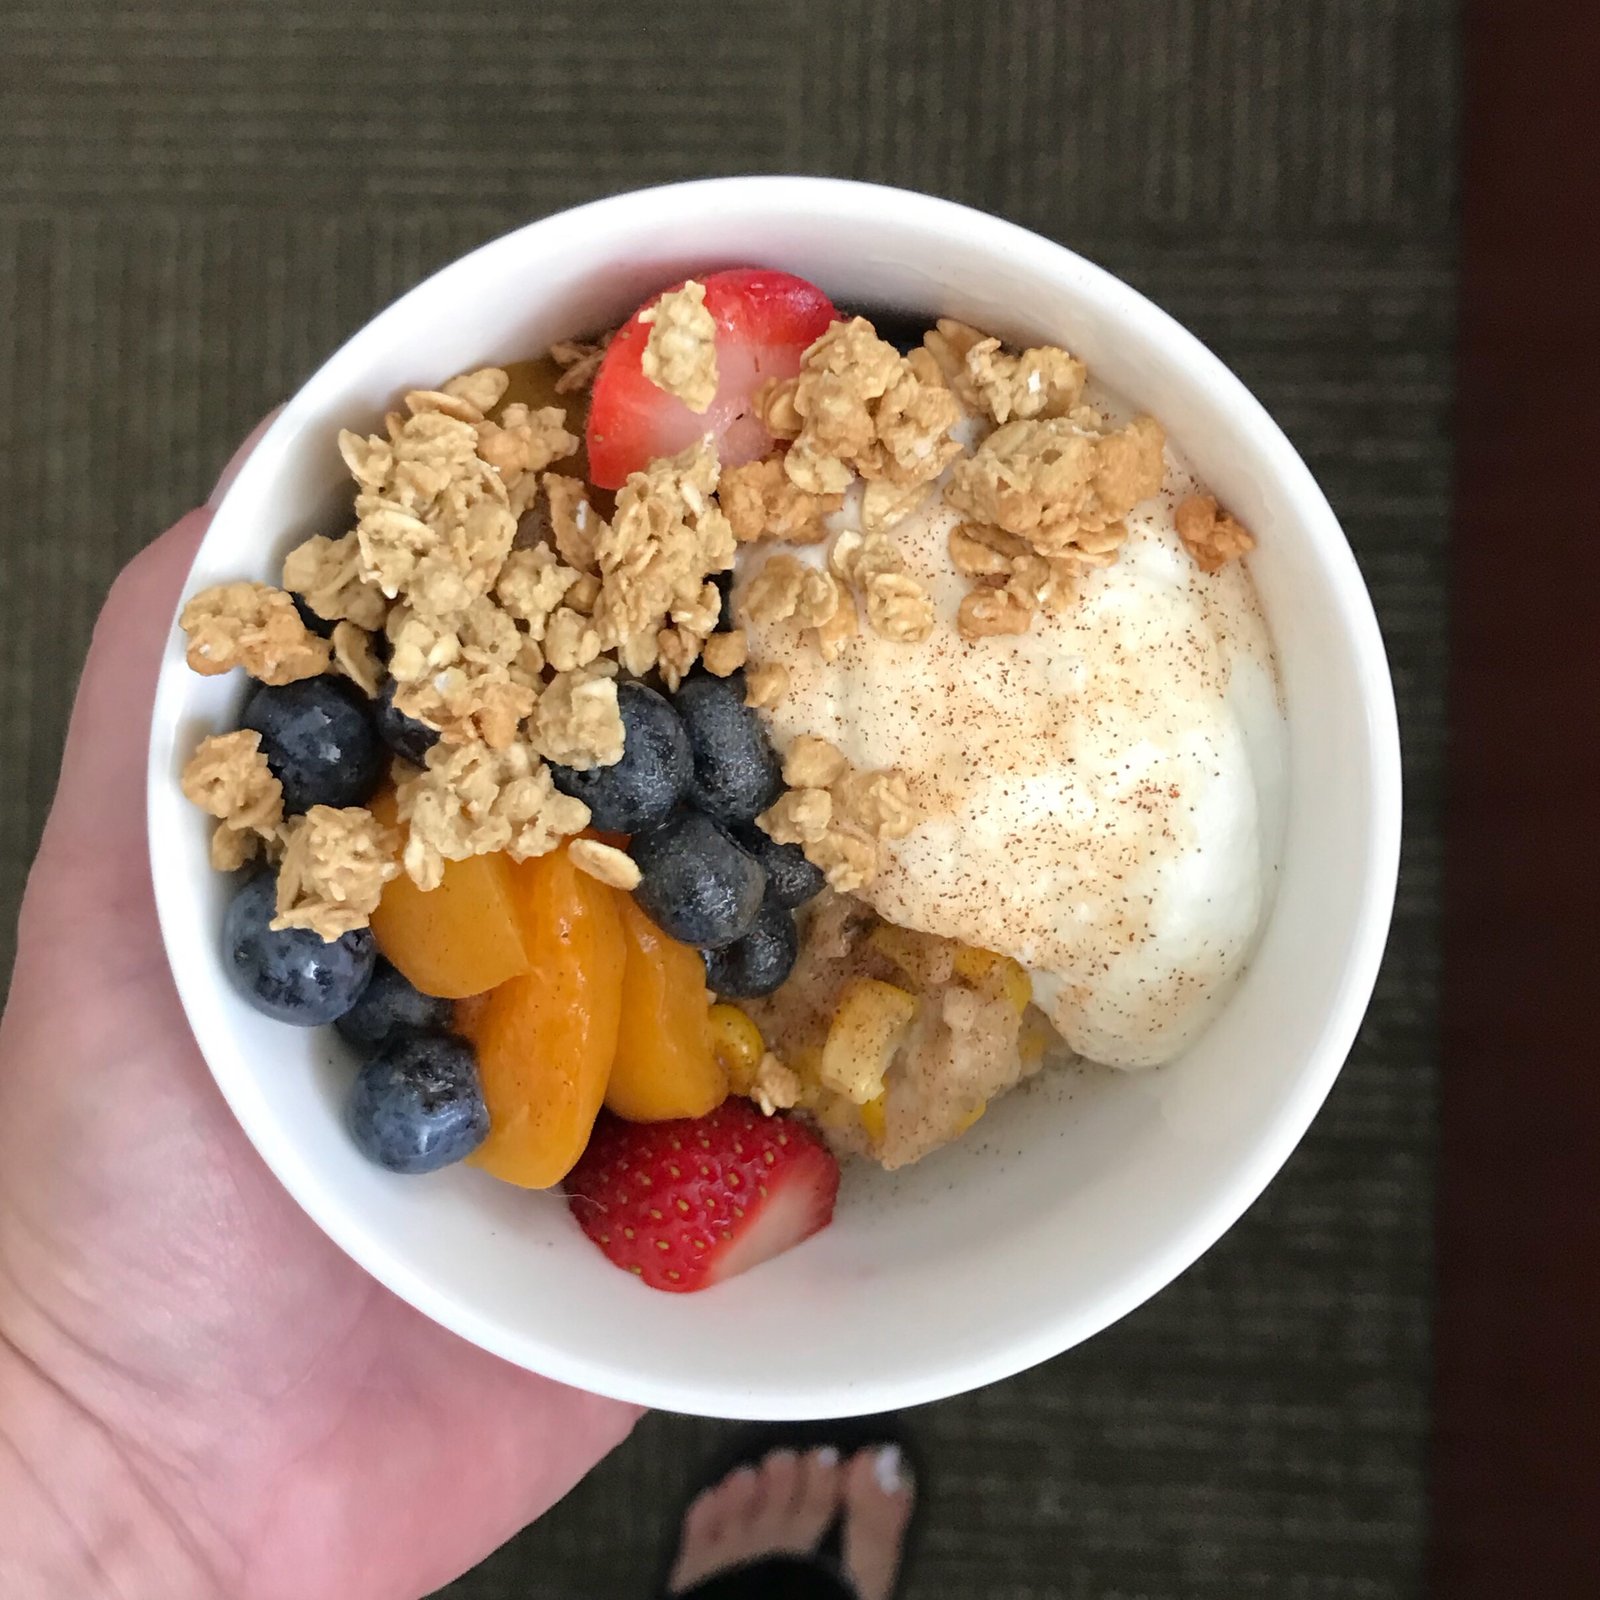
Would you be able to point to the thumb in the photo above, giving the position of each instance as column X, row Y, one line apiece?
column 98, row 814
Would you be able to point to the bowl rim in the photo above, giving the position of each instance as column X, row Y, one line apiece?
column 1213, row 1215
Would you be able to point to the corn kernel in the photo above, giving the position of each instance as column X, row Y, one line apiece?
column 867, row 1029
column 737, row 1044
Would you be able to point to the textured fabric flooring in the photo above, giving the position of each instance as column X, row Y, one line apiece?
column 197, row 202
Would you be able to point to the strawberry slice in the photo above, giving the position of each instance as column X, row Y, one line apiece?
column 687, row 1204
column 765, row 322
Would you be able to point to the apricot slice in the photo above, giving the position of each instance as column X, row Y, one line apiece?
column 460, row 939
column 667, row 1063
column 546, row 1039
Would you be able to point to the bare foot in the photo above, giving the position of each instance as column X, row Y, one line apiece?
column 782, row 1507
column 878, row 1495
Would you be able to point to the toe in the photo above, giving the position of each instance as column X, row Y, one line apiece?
column 715, row 1528
column 878, row 1496
column 736, row 1500
column 818, row 1495
column 779, row 1479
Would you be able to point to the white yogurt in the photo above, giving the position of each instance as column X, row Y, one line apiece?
column 1102, row 796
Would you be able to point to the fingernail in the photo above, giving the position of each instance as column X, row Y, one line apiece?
column 888, row 1467
column 827, row 1456
column 239, row 457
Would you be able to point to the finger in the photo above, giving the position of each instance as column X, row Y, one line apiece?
column 99, row 804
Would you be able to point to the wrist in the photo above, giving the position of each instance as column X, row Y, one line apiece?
column 77, row 1515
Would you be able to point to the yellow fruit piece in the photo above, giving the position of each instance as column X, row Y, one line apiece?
column 874, row 1117
column 994, row 974
column 666, row 1064
column 461, row 939
column 738, row 1045
column 867, row 1029
column 546, row 1040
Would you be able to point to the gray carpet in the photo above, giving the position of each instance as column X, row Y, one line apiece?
column 197, row 202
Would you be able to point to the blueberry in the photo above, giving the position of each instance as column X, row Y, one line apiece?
column 756, row 964
column 697, row 883
column 417, row 1104
column 736, row 771
column 791, row 879
column 391, row 1005
column 408, row 737
column 319, row 741
column 318, row 625
column 641, row 789
column 291, row 975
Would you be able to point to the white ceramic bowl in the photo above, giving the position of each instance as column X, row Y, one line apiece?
column 1075, row 1199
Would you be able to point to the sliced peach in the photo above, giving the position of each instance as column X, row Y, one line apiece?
column 546, row 1039
column 667, row 1063
column 460, row 939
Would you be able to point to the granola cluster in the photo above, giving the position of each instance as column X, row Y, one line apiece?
column 761, row 501
column 656, row 559
column 680, row 354
column 335, row 863
column 1210, row 534
column 579, row 360
column 1041, row 382
column 473, row 800
column 228, row 777
column 897, row 604
column 253, row 626
column 437, row 506
column 1047, row 498
column 836, row 814
column 786, row 588
column 861, row 409
column 1046, row 487
column 500, row 606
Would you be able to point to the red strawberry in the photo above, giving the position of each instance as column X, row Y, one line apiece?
column 686, row 1204
column 765, row 321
